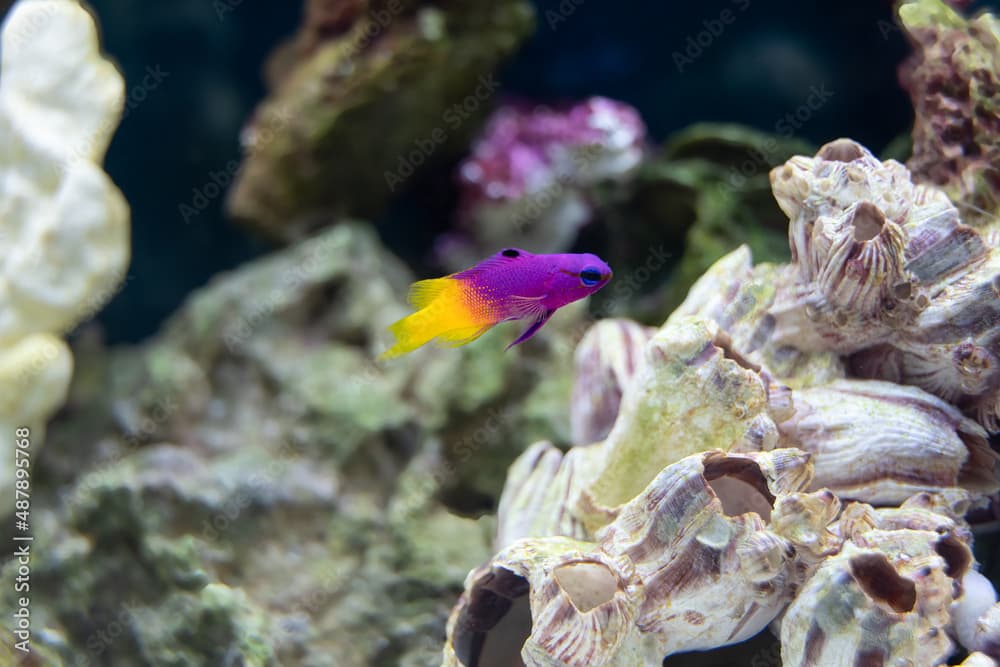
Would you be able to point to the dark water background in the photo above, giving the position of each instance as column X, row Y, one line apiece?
column 181, row 130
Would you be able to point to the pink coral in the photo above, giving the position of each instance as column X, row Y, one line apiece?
column 526, row 178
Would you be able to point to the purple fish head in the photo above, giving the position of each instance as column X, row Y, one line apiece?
column 579, row 275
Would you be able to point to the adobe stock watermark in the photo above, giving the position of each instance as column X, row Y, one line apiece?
column 529, row 209
column 713, row 28
column 101, row 640
column 159, row 413
column 205, row 194
column 763, row 158
column 217, row 181
column 223, row 7
column 561, row 13
column 625, row 287
column 886, row 28
column 134, row 97
column 306, row 270
column 484, row 435
column 378, row 21
column 233, row 506
column 453, row 118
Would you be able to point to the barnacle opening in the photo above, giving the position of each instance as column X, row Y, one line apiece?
column 587, row 584
column 841, row 150
column 725, row 343
column 867, row 221
column 957, row 558
column 493, row 626
column 903, row 290
column 739, row 485
column 880, row 581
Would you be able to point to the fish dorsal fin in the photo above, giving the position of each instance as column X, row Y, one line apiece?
column 423, row 292
column 503, row 260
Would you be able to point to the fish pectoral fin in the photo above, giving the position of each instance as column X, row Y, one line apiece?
column 530, row 331
column 527, row 307
column 458, row 337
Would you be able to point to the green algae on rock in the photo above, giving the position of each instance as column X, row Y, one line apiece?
column 260, row 489
column 690, row 395
column 354, row 115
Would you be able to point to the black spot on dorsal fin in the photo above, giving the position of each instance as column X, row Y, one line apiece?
column 510, row 252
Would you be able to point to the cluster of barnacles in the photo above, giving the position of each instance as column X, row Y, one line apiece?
column 802, row 441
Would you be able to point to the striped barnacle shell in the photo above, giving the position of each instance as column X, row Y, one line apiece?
column 805, row 520
column 888, row 596
column 698, row 534
column 862, row 607
column 886, row 271
column 546, row 602
column 881, row 442
column 650, row 582
column 847, row 212
column 540, row 486
column 692, row 393
column 606, row 359
column 738, row 296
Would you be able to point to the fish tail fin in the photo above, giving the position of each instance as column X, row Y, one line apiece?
column 442, row 314
column 410, row 334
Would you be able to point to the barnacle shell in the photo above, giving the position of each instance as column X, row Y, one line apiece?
column 650, row 583
column 866, row 246
column 804, row 520
column 607, row 357
column 738, row 296
column 881, row 442
column 539, row 490
column 699, row 532
column 885, row 597
column 986, row 635
column 551, row 601
column 692, row 393
column 886, row 270
column 861, row 608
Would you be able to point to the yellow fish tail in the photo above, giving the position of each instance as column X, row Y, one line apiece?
column 444, row 314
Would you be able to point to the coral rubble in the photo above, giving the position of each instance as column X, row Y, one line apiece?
column 954, row 83
column 255, row 430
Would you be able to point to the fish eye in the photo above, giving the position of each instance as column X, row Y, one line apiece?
column 510, row 252
column 590, row 276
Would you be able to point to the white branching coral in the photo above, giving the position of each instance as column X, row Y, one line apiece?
column 63, row 223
